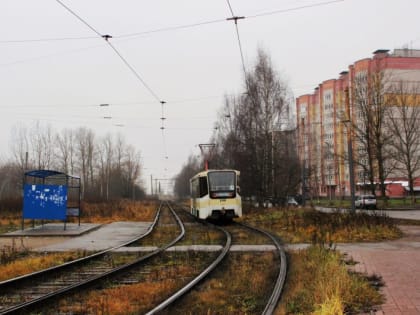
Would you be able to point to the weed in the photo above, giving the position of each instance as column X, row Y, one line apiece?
column 24, row 263
column 319, row 283
column 310, row 226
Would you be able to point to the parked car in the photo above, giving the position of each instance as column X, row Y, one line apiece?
column 291, row 201
column 365, row 202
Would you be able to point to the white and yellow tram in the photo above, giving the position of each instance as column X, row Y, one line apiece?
column 215, row 195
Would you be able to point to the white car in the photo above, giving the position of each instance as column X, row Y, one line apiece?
column 292, row 202
column 365, row 202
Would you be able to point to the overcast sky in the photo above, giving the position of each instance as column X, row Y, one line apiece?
column 57, row 70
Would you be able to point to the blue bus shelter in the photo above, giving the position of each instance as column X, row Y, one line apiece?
column 50, row 195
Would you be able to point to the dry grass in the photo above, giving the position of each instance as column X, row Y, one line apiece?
column 162, row 277
column 122, row 210
column 34, row 262
column 127, row 299
column 310, row 226
column 235, row 294
column 319, row 283
column 105, row 212
column 241, row 286
column 197, row 234
column 15, row 259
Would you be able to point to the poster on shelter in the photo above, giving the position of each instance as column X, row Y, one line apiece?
column 47, row 202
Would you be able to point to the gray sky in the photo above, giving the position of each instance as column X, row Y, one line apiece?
column 62, row 82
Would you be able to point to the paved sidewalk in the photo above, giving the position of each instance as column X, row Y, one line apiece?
column 108, row 236
column 398, row 263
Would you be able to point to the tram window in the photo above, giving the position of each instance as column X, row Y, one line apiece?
column 203, row 186
column 222, row 184
column 222, row 181
column 194, row 188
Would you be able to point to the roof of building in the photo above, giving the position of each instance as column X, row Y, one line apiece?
column 381, row 51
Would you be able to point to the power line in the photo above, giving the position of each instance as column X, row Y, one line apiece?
column 293, row 9
column 163, row 29
column 134, row 72
column 235, row 19
column 171, row 28
column 18, row 41
column 79, row 18
column 163, row 118
column 106, row 37
column 230, row 7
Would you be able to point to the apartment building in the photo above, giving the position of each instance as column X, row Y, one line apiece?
column 327, row 119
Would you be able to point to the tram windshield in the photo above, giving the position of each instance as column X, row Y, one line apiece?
column 222, row 184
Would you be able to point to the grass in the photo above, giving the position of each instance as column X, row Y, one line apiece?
column 391, row 203
column 122, row 210
column 319, row 282
column 160, row 278
column 310, row 226
column 21, row 264
column 18, row 260
column 104, row 212
column 243, row 291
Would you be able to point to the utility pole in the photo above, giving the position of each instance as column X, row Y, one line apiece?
column 349, row 128
column 151, row 184
column 304, row 171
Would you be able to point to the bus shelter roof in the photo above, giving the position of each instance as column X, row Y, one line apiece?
column 48, row 173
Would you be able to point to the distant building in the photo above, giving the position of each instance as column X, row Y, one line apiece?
column 324, row 116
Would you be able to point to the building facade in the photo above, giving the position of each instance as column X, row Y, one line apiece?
column 331, row 120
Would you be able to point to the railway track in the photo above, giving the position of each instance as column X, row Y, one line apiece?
column 19, row 294
column 281, row 277
column 277, row 286
column 23, row 293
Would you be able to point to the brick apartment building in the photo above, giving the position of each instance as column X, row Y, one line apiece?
column 325, row 119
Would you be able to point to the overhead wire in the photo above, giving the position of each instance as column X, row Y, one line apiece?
column 235, row 19
column 133, row 70
column 107, row 38
column 318, row 4
column 165, row 153
column 169, row 28
column 17, row 41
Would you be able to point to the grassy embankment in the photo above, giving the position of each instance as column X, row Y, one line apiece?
column 319, row 278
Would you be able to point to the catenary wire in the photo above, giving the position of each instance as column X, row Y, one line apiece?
column 169, row 28
column 230, row 7
column 293, row 9
column 106, row 38
column 235, row 19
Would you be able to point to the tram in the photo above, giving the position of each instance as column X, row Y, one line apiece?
column 215, row 195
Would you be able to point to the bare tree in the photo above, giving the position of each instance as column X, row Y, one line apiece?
column 404, row 124
column 66, row 151
column 249, row 126
column 132, row 169
column 372, row 138
column 110, row 169
column 182, row 180
column 105, row 157
column 41, row 141
column 19, row 145
column 85, row 153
